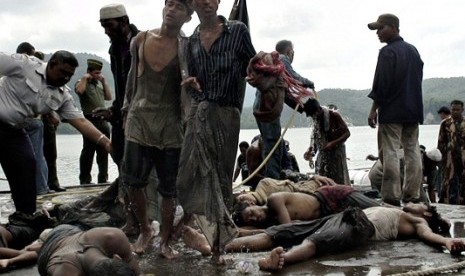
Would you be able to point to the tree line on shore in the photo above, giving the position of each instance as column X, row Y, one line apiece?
column 354, row 105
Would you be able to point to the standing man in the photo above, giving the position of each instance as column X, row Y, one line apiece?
column 330, row 132
column 115, row 21
column 452, row 147
column 154, row 129
column 270, row 131
column 219, row 53
column 398, row 108
column 93, row 91
column 35, row 131
column 20, row 102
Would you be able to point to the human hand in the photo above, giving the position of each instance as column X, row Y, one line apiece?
column 102, row 113
column 455, row 246
column 192, row 82
column 324, row 181
column 373, row 119
column 371, row 157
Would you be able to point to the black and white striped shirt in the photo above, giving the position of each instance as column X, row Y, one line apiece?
column 221, row 70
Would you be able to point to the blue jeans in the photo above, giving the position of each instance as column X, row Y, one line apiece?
column 270, row 133
column 35, row 131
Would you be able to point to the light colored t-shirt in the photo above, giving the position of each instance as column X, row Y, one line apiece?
column 24, row 92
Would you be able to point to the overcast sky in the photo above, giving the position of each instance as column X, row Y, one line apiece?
column 333, row 46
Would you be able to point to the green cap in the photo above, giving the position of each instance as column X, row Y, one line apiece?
column 384, row 19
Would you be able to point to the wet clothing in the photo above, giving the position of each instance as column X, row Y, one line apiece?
column 335, row 199
column 267, row 186
column 24, row 94
column 330, row 234
column 63, row 245
column 452, row 146
column 92, row 98
column 333, row 164
column 397, row 90
column 386, row 222
column 156, row 97
column 21, row 235
column 212, row 129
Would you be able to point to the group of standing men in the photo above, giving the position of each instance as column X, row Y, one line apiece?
column 193, row 152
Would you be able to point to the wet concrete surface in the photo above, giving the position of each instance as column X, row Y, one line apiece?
column 380, row 258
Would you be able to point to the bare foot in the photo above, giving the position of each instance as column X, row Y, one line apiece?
column 274, row 262
column 197, row 241
column 168, row 252
column 143, row 241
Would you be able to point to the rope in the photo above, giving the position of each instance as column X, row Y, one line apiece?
column 434, row 271
column 271, row 152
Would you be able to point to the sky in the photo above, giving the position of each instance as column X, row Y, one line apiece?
column 333, row 46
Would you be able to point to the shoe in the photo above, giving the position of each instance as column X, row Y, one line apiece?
column 58, row 189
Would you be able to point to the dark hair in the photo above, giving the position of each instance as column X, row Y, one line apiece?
column 282, row 45
column 25, row 48
column 190, row 9
column 458, row 102
column 111, row 267
column 244, row 144
column 63, row 56
column 444, row 109
column 311, row 106
column 237, row 213
column 437, row 224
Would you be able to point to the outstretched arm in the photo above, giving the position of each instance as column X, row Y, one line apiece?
column 419, row 227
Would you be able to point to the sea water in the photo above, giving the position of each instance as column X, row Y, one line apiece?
column 361, row 142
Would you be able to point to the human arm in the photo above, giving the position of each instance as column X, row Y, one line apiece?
column 338, row 132
column 91, row 132
column 417, row 226
column 287, row 64
column 81, row 84
column 373, row 115
column 106, row 88
column 323, row 181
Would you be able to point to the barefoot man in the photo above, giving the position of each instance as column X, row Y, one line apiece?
column 153, row 127
column 346, row 230
column 218, row 55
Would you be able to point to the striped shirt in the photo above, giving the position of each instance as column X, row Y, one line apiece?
column 221, row 71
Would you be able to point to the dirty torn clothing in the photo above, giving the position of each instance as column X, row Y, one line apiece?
column 335, row 199
column 386, row 222
column 207, row 164
column 330, row 234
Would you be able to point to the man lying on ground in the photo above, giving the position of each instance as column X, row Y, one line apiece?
column 284, row 207
column 99, row 251
column 346, row 230
column 268, row 186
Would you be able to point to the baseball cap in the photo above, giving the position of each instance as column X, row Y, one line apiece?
column 384, row 19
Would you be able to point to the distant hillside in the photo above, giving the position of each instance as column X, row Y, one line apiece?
column 354, row 105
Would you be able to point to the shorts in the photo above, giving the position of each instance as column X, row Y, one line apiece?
column 139, row 161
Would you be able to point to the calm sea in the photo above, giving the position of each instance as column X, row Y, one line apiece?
column 361, row 143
